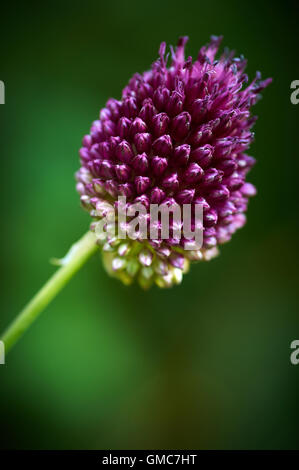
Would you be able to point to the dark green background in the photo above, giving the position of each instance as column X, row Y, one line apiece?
column 204, row 365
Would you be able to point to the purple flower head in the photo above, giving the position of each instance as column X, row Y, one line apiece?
column 179, row 134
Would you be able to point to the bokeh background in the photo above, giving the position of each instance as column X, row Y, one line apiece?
column 204, row 365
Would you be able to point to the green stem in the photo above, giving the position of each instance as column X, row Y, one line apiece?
column 70, row 264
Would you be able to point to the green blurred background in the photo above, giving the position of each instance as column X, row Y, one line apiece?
column 204, row 365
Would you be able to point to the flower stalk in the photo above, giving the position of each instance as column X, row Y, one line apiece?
column 69, row 265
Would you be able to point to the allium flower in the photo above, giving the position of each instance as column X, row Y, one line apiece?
column 179, row 133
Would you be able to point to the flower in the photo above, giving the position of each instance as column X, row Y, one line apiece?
column 178, row 134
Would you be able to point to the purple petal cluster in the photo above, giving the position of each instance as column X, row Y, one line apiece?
column 180, row 133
